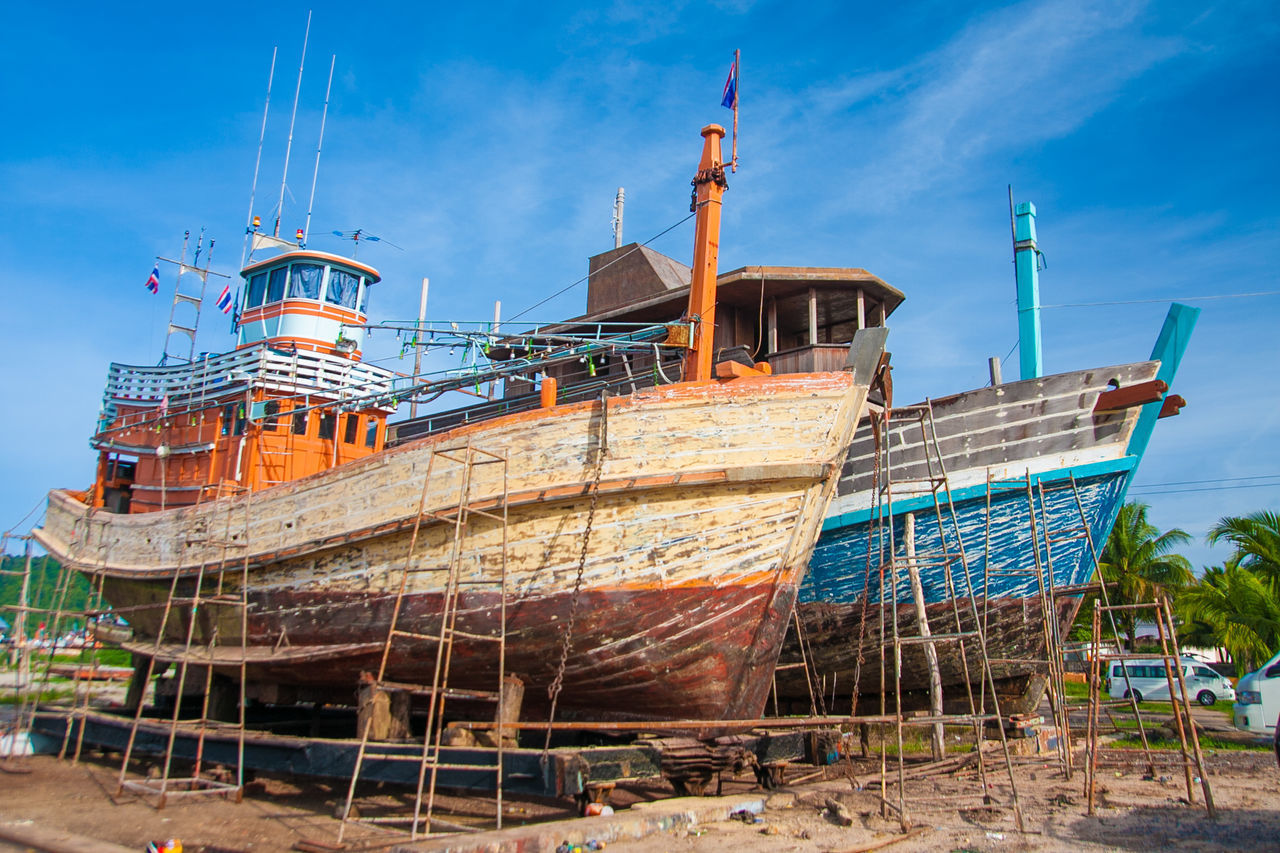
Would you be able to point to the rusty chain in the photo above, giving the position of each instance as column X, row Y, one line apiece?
column 602, row 448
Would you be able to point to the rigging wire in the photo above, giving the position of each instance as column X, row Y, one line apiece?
column 1141, row 493
column 1169, row 299
column 23, row 520
column 1198, row 482
column 569, row 287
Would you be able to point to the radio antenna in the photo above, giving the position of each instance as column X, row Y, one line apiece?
column 289, row 146
column 306, row 230
column 262, row 135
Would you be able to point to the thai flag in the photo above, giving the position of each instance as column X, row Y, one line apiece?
column 153, row 280
column 730, row 99
column 224, row 299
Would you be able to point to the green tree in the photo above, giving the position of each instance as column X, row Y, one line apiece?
column 1139, row 564
column 1240, row 608
column 49, row 590
column 1240, row 602
column 1256, row 538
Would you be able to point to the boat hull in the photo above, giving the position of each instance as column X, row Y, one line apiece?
column 676, row 565
column 1044, row 430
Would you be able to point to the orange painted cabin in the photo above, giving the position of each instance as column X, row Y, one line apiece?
column 278, row 407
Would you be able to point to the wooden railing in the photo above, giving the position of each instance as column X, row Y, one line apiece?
column 214, row 376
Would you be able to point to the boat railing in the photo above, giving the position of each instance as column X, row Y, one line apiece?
column 214, row 376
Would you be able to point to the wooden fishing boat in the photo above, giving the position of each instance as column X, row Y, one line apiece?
column 1010, row 492
column 1064, row 448
column 1080, row 435
column 666, row 529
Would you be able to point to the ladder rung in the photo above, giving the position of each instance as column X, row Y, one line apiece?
column 400, row 632
column 949, row 718
column 427, row 690
column 467, row 635
column 789, row 666
column 936, row 638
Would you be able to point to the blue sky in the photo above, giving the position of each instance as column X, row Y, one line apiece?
column 489, row 142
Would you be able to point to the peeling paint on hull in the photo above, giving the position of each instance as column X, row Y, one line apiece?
column 709, row 502
column 1045, row 428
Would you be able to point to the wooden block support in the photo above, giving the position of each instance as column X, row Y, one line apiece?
column 385, row 712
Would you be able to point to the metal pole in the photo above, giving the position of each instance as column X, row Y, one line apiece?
column 618, row 201
column 262, row 135
column 417, row 349
column 306, row 230
column 493, row 331
column 289, row 146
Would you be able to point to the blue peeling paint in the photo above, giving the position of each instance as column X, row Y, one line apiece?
column 837, row 570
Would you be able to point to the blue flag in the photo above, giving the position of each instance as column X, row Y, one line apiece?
column 730, row 99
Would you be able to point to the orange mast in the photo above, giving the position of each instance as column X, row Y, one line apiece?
column 708, row 189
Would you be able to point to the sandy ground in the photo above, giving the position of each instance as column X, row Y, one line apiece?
column 1134, row 813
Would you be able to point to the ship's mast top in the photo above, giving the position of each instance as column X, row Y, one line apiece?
column 708, row 189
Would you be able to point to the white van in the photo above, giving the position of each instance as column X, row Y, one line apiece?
column 1148, row 681
column 1258, row 699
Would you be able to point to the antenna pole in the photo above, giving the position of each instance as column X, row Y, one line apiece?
column 289, row 146
column 737, row 91
column 306, row 230
column 617, row 217
column 417, row 349
column 262, row 135
column 182, row 262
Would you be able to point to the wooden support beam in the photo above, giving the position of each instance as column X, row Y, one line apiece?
column 813, row 316
column 734, row 370
column 772, row 345
column 1138, row 394
column 1172, row 405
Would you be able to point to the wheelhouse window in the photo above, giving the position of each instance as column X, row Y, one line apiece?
column 351, row 429
column 305, row 281
column 257, row 289
column 300, row 422
column 270, row 419
column 371, row 434
column 327, row 425
column 364, row 297
column 233, row 420
column 343, row 288
column 275, row 284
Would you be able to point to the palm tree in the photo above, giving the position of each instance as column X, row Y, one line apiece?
column 1138, row 564
column 1256, row 538
column 1240, row 607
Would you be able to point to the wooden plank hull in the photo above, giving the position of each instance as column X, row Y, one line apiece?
column 836, row 635
column 707, row 506
column 1046, row 428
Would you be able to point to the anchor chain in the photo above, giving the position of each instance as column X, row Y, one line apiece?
column 553, row 691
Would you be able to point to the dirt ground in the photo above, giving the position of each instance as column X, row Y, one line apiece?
column 1134, row 813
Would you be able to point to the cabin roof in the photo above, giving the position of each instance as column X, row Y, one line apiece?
column 311, row 255
column 636, row 283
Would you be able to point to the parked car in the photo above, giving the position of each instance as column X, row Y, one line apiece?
column 1258, row 699
column 1148, row 680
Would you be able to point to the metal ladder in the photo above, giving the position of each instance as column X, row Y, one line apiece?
column 432, row 758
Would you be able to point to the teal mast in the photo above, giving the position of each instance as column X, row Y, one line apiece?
column 1026, row 263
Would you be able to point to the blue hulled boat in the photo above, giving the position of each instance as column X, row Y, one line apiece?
column 1063, row 447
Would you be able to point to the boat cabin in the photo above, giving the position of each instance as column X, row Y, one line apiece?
column 292, row 399
column 796, row 319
